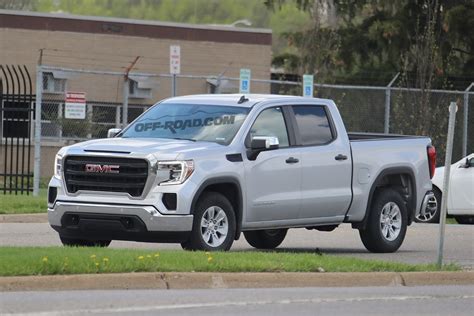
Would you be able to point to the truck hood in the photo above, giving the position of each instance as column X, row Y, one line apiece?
column 161, row 148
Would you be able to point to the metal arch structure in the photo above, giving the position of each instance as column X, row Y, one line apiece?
column 16, row 116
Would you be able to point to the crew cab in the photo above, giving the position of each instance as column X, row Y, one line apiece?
column 200, row 170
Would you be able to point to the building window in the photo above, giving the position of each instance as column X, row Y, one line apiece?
column 53, row 84
column 216, row 86
column 138, row 90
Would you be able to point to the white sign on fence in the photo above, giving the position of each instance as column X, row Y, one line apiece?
column 175, row 59
column 245, row 75
column 308, row 82
column 75, row 105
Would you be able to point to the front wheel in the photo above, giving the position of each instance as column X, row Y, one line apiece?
column 214, row 224
column 468, row 220
column 72, row 242
column 387, row 223
column 265, row 239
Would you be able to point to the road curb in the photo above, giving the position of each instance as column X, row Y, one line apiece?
column 24, row 218
column 205, row 280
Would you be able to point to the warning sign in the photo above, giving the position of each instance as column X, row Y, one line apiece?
column 175, row 59
column 75, row 106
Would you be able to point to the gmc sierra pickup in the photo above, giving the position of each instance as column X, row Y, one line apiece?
column 199, row 170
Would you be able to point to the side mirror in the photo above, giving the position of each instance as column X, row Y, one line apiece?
column 111, row 133
column 261, row 143
column 469, row 163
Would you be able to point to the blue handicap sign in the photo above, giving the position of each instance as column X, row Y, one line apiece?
column 245, row 84
column 308, row 91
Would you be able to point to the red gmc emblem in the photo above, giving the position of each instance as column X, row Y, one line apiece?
column 102, row 168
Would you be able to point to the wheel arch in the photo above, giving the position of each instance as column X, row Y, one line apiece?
column 229, row 187
column 402, row 179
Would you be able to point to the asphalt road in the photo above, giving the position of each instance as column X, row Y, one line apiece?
column 420, row 245
column 429, row 300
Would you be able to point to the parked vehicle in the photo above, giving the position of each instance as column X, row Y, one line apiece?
column 460, row 197
column 199, row 170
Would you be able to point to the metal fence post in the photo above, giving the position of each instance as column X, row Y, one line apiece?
column 466, row 120
column 89, row 115
column 386, row 125
column 447, row 170
column 173, row 85
column 125, row 101
column 37, row 142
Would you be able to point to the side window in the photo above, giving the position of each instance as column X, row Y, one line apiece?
column 313, row 124
column 270, row 122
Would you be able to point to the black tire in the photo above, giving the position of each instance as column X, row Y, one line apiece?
column 372, row 236
column 265, row 239
column 435, row 219
column 196, row 240
column 72, row 242
column 465, row 219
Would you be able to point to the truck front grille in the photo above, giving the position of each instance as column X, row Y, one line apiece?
column 109, row 174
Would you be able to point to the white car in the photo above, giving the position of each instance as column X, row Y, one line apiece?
column 460, row 197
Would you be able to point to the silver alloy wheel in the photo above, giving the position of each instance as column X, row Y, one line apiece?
column 430, row 211
column 214, row 226
column 390, row 221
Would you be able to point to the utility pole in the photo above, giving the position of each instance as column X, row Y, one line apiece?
column 37, row 141
column 388, row 92
column 126, row 91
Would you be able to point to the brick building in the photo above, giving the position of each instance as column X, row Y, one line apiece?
column 111, row 45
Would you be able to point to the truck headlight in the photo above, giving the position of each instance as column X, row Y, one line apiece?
column 58, row 166
column 174, row 172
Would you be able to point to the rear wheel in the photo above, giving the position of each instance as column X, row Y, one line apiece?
column 72, row 242
column 265, row 239
column 465, row 219
column 214, row 224
column 387, row 223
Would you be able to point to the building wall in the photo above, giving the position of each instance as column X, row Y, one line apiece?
column 89, row 44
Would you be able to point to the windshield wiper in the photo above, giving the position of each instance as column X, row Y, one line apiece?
column 181, row 138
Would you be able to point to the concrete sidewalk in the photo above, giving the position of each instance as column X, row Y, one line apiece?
column 203, row 280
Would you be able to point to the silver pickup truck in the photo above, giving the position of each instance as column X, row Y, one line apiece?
column 199, row 170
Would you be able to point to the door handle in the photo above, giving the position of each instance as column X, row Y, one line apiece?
column 340, row 157
column 292, row 160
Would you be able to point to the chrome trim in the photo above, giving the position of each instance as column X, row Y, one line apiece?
column 153, row 219
column 150, row 181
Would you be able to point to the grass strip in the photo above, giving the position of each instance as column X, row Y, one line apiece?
column 23, row 204
column 15, row 261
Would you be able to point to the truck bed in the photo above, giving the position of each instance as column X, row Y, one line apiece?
column 378, row 136
column 373, row 152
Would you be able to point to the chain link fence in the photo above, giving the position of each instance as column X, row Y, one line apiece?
column 363, row 108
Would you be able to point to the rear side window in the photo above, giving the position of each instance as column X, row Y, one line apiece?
column 313, row 124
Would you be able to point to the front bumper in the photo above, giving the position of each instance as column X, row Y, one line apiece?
column 121, row 222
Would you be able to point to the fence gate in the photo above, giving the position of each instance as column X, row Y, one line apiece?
column 16, row 104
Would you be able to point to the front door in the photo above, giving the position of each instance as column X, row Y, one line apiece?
column 274, row 177
column 461, row 188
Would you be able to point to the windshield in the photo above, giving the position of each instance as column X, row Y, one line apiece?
column 195, row 122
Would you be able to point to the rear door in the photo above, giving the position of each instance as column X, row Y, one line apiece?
column 326, row 166
column 273, row 179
